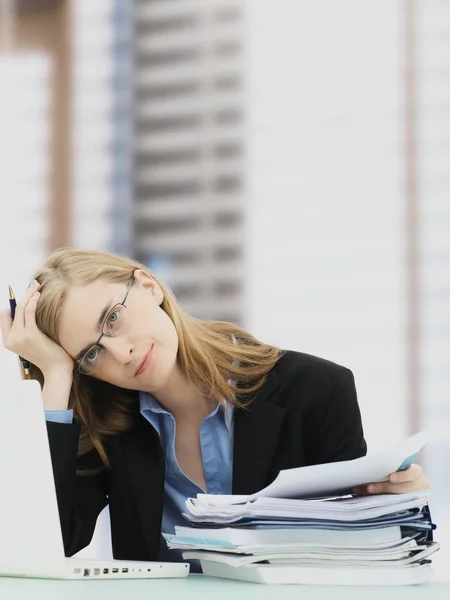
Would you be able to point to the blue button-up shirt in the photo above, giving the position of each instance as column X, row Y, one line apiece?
column 216, row 442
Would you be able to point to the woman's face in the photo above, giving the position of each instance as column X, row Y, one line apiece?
column 141, row 354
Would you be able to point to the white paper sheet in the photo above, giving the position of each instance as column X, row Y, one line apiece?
column 324, row 558
column 368, row 510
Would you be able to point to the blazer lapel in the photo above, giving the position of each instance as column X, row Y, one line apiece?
column 256, row 432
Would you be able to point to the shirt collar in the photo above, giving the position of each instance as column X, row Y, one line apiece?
column 148, row 403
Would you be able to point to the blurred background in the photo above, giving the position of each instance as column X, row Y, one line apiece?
column 283, row 165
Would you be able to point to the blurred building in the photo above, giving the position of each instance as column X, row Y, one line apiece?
column 59, row 61
column 188, row 221
column 34, row 112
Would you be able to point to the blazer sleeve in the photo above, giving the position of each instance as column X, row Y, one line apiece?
column 341, row 435
column 81, row 498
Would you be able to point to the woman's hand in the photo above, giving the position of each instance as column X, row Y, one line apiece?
column 24, row 338
column 400, row 482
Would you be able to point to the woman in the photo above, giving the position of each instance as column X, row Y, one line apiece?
column 147, row 406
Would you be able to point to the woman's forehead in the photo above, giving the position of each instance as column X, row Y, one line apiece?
column 90, row 292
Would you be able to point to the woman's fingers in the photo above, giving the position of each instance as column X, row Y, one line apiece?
column 26, row 339
column 17, row 335
column 398, row 488
column 19, row 318
column 30, row 312
column 414, row 472
column 400, row 482
column 5, row 325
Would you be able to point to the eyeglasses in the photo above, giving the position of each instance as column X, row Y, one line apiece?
column 112, row 325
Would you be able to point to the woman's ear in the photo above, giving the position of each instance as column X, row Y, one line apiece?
column 147, row 282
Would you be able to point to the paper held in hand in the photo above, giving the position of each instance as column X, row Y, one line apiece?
column 338, row 477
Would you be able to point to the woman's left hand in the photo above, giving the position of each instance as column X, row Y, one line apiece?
column 400, row 482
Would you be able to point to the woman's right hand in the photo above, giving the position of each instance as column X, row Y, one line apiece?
column 23, row 337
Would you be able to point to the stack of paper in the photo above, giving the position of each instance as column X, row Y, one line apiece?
column 333, row 540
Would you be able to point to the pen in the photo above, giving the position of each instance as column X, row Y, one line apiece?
column 12, row 304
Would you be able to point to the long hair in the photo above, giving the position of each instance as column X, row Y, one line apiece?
column 219, row 357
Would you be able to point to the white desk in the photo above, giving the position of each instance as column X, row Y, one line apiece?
column 197, row 587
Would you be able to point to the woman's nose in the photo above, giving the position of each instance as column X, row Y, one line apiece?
column 119, row 348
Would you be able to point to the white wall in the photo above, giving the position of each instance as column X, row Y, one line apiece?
column 326, row 241
column 433, row 35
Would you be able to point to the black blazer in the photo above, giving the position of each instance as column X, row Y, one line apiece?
column 306, row 413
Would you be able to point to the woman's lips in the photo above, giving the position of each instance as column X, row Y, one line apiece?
column 145, row 362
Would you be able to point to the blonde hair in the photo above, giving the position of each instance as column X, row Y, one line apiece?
column 228, row 368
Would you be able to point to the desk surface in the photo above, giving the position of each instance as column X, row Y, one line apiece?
column 197, row 587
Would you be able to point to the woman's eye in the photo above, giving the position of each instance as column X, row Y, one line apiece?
column 92, row 355
column 113, row 318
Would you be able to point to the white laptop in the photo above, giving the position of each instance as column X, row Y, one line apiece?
column 31, row 543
